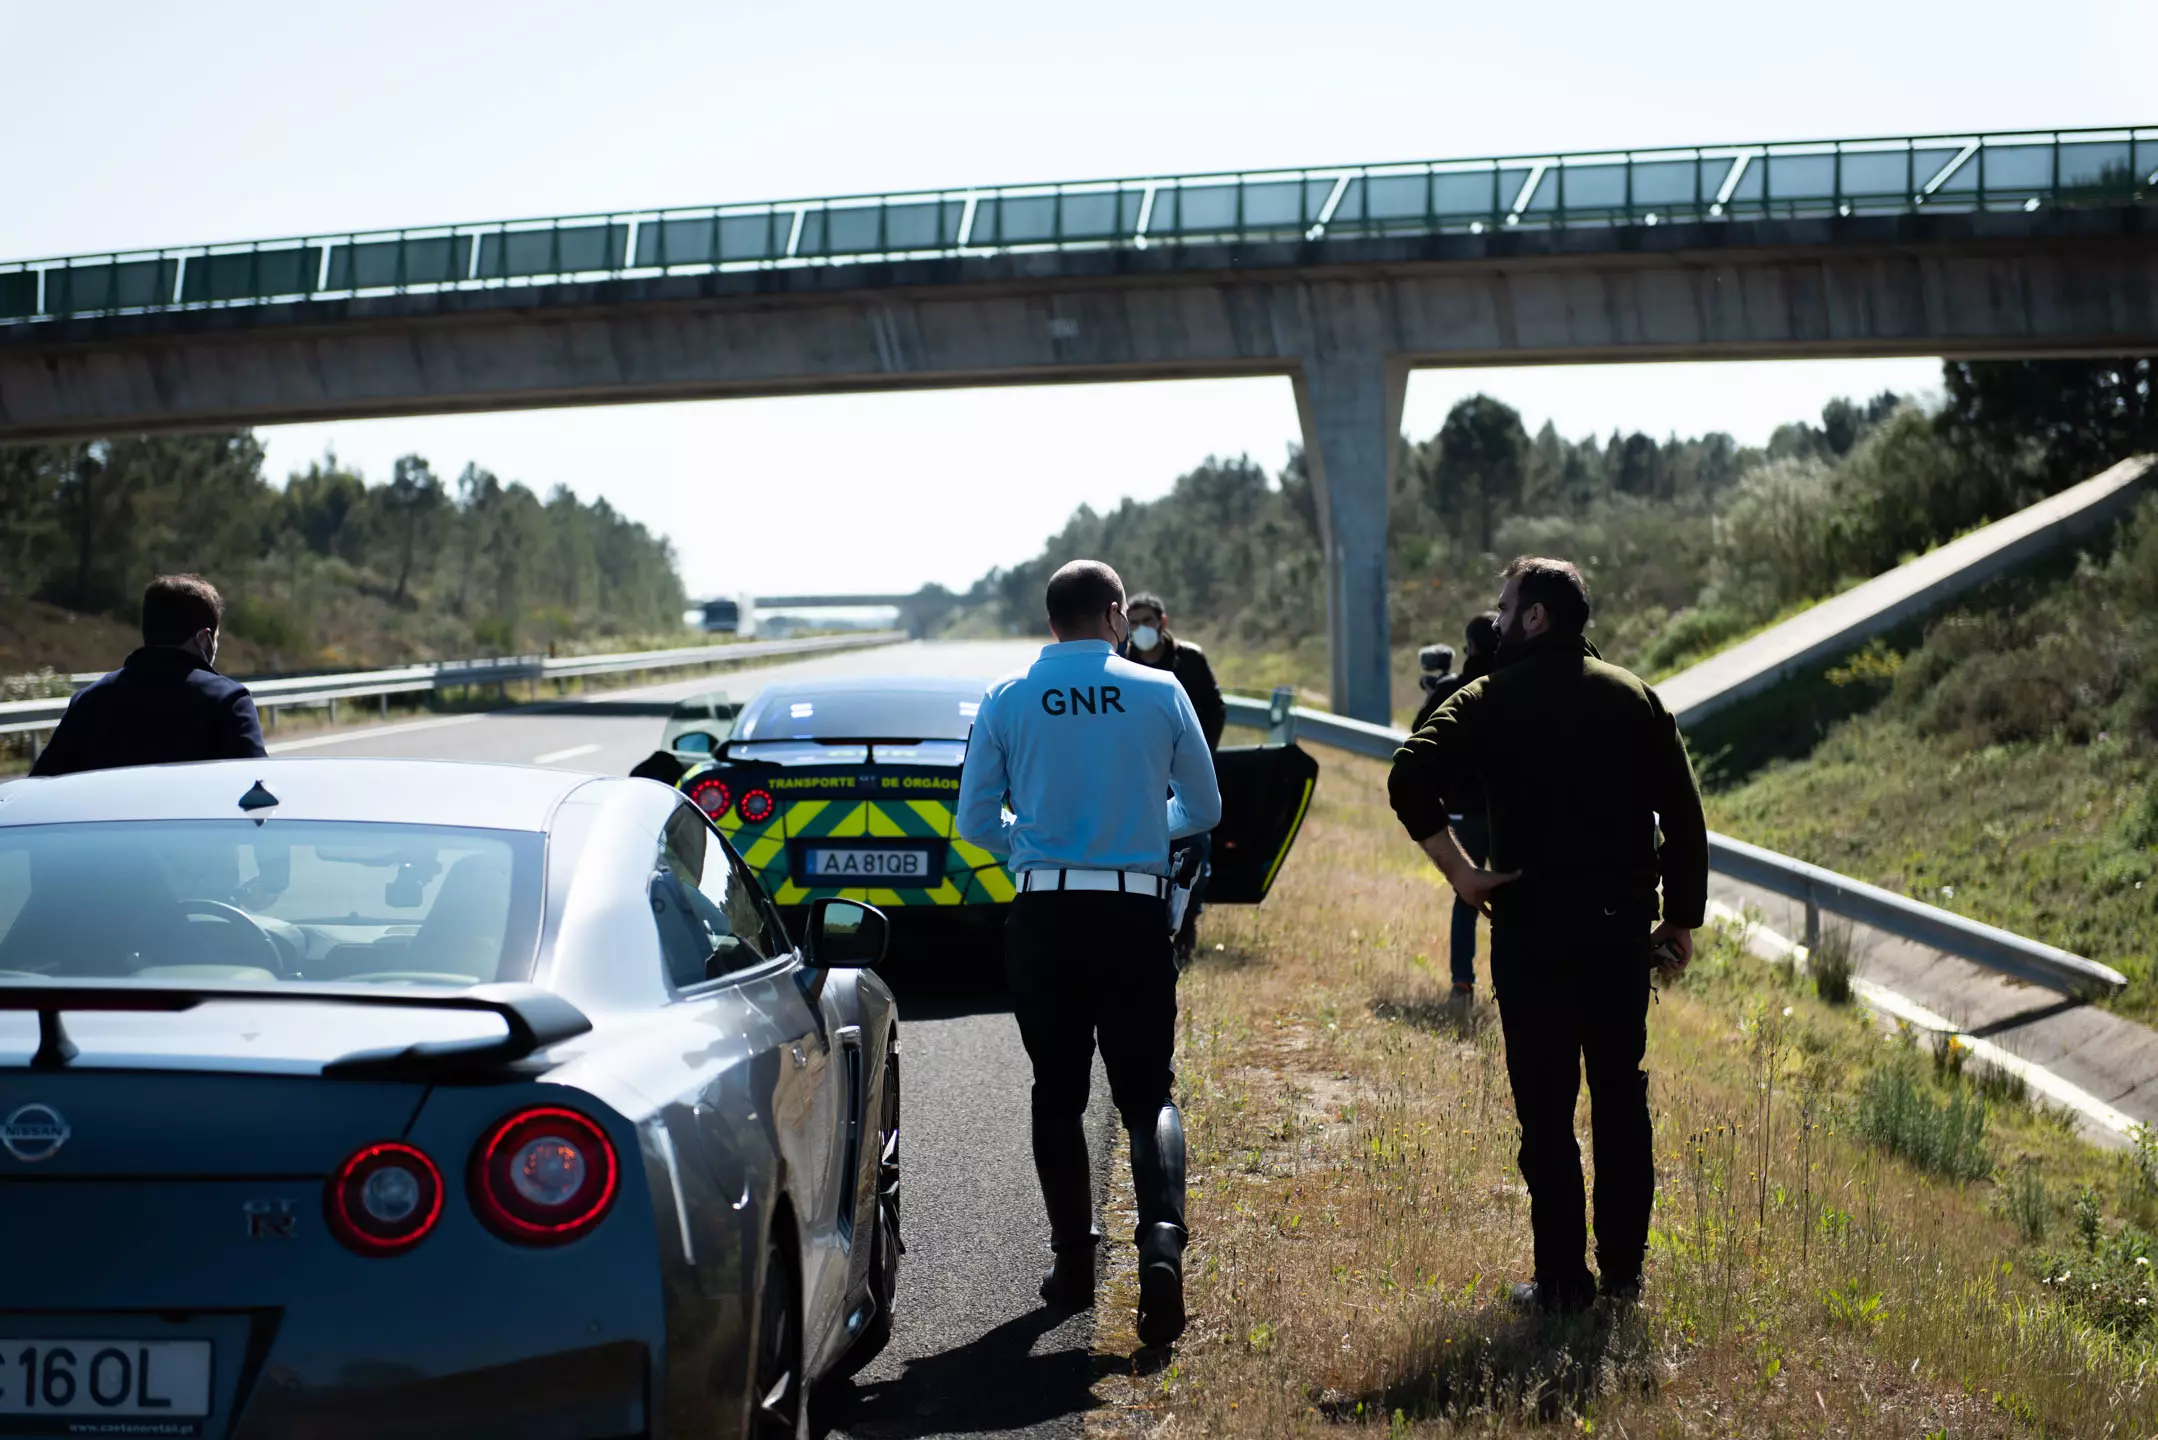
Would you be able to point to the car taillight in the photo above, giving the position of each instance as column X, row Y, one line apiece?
column 544, row 1176
column 757, row 806
column 385, row 1199
column 712, row 797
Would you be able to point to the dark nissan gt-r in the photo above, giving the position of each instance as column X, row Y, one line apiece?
column 347, row 1098
column 845, row 787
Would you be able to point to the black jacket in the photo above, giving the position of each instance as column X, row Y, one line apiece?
column 162, row 705
column 1580, row 765
column 1188, row 662
column 1467, row 798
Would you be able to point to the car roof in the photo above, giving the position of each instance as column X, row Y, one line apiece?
column 972, row 685
column 419, row 792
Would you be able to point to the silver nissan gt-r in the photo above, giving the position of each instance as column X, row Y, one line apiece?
column 368, row 1097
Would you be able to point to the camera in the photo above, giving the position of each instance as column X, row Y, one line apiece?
column 1435, row 661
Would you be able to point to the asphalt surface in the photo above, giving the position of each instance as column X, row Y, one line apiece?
column 973, row 1353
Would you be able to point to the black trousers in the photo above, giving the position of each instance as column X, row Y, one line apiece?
column 1090, row 967
column 1567, row 1005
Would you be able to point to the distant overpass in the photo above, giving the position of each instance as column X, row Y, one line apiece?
column 920, row 611
column 1341, row 279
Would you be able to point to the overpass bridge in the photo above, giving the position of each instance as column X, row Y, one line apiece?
column 1340, row 278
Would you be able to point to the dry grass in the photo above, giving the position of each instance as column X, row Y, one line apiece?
column 1358, row 1215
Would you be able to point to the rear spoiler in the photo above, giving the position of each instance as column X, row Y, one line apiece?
column 532, row 1018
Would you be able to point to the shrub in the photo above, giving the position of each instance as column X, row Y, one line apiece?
column 2024, row 1200
column 1832, row 962
column 1949, row 1139
column 2109, row 1284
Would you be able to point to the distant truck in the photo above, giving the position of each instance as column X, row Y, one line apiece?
column 729, row 617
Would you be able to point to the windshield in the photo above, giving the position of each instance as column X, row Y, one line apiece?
column 942, row 713
column 209, row 900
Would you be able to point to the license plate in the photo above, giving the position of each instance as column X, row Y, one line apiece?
column 861, row 863
column 104, row 1387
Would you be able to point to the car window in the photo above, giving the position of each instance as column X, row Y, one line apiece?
column 292, row 900
column 704, row 905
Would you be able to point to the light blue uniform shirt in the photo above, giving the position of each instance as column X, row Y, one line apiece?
column 1102, row 762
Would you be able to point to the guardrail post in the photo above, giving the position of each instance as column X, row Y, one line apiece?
column 333, row 710
column 1813, row 918
column 1281, row 717
column 384, row 697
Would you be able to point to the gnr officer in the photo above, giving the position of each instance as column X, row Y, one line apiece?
column 1082, row 749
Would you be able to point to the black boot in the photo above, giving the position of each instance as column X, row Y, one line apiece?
column 1060, row 1160
column 1157, row 1174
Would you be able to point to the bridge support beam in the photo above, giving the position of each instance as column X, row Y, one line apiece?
column 1349, row 403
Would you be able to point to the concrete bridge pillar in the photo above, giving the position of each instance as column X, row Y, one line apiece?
column 1349, row 402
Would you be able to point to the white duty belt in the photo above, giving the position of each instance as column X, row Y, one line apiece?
column 1127, row 882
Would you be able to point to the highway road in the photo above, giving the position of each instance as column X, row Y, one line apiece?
column 972, row 1351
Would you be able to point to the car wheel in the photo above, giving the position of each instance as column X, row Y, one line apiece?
column 885, row 1246
column 781, row 1399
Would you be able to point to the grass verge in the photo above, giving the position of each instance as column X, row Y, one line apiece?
column 1358, row 1215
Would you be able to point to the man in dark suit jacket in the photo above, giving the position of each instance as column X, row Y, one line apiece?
column 166, row 702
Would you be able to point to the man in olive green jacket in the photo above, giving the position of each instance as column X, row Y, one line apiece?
column 1581, row 767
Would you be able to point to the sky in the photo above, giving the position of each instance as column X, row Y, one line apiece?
column 224, row 120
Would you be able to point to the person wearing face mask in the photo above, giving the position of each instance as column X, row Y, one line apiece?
column 166, row 702
column 1599, row 874
column 1083, row 771
column 1153, row 645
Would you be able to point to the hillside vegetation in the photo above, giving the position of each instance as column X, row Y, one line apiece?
column 1688, row 543
column 1999, row 762
column 326, row 570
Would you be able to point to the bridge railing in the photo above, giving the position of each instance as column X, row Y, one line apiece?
column 1817, row 889
column 28, row 716
column 2025, row 170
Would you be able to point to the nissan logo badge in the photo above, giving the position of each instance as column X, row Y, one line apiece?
column 33, row 1133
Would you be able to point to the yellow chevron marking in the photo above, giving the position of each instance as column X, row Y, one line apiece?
column 975, row 856
column 936, row 812
column 760, row 855
column 946, row 894
column 883, row 825
column 998, row 883
column 852, row 826
column 801, row 812
column 790, row 893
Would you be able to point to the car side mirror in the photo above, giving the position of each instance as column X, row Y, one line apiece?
column 845, row 934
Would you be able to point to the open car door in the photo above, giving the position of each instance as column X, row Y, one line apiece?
column 1265, row 790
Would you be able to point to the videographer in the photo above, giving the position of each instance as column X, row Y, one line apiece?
column 1581, row 766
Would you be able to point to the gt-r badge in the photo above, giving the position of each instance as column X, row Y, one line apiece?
column 270, row 1219
column 33, row 1133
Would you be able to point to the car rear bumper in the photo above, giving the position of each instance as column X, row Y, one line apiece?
column 594, row 1393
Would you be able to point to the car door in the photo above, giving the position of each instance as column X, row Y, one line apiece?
column 1265, row 792
column 745, row 949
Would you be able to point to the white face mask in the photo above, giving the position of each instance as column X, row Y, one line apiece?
column 1144, row 637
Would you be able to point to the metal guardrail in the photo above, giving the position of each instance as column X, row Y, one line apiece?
column 20, row 716
column 1818, row 889
column 1970, row 171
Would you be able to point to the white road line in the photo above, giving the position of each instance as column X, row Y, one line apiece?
column 1767, row 943
column 570, row 754
column 370, row 732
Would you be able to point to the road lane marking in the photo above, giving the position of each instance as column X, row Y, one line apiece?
column 570, row 754
column 370, row 732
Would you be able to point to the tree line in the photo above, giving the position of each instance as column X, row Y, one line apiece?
column 1687, row 541
column 328, row 567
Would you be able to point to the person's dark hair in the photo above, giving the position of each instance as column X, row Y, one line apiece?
column 1081, row 591
column 1482, row 634
column 1147, row 598
column 1557, row 586
column 176, row 607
